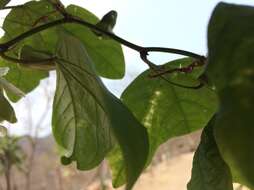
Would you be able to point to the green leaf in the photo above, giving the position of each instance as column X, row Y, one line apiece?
column 24, row 79
column 167, row 110
column 231, row 69
column 209, row 171
column 107, row 55
column 6, row 111
column 31, row 54
column 22, row 19
column 118, row 170
column 6, row 85
column 3, row 3
column 86, row 116
column 9, row 87
column 107, row 23
column 18, row 21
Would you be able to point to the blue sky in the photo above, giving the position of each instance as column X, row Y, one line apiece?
column 168, row 23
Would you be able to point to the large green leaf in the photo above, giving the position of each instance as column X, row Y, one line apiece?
column 209, row 171
column 85, row 115
column 167, row 110
column 20, row 20
column 231, row 68
column 6, row 111
column 107, row 55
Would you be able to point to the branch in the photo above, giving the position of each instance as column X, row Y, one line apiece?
column 187, row 69
column 143, row 56
column 73, row 19
column 26, row 62
column 11, row 7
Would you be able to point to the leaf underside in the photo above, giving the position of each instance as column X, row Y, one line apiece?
column 87, row 117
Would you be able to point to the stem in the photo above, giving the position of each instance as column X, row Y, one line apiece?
column 175, row 51
column 143, row 56
column 47, row 61
column 8, row 180
column 71, row 19
column 7, row 171
column 5, row 46
column 11, row 7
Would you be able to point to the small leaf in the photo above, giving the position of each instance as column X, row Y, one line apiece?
column 31, row 54
column 6, row 111
column 167, row 110
column 87, row 117
column 209, row 171
column 107, row 55
column 8, row 87
column 107, row 23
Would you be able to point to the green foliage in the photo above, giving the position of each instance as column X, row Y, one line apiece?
column 16, row 22
column 231, row 69
column 166, row 110
column 209, row 171
column 84, row 116
column 6, row 111
column 28, row 53
column 107, row 55
column 107, row 23
column 91, row 124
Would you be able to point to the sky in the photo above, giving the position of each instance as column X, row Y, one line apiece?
column 178, row 24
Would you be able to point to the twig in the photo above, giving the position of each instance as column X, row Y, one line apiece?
column 25, row 61
column 11, row 7
column 144, row 58
column 73, row 19
column 187, row 69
